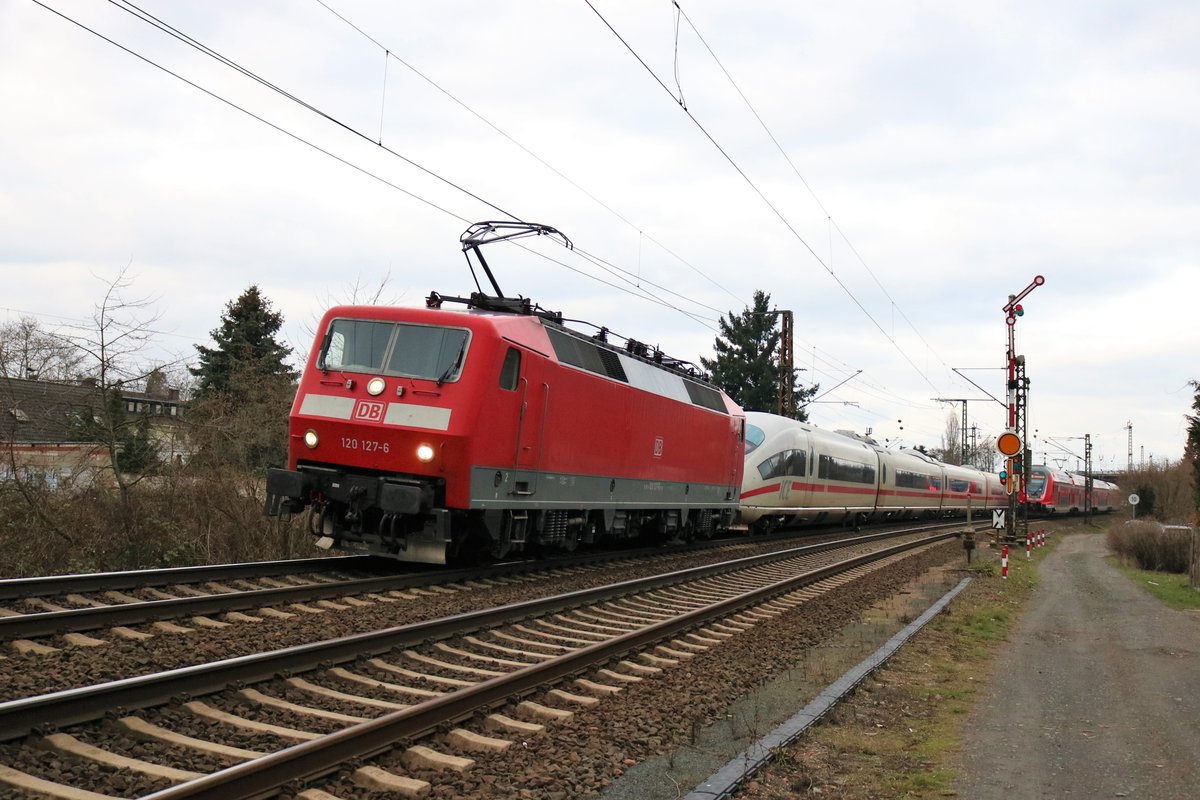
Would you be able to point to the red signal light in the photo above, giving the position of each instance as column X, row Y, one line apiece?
column 1020, row 310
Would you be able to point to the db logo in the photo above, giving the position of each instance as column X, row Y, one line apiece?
column 369, row 410
column 658, row 446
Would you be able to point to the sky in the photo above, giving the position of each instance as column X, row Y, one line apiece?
column 889, row 172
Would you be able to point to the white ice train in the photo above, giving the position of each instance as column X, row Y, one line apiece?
column 798, row 473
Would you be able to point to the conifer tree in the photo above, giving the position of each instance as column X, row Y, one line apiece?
column 746, row 366
column 246, row 347
column 244, row 389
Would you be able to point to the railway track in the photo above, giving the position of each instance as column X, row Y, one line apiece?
column 74, row 603
column 344, row 699
column 69, row 605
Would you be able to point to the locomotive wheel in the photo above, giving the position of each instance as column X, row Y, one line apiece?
column 478, row 546
column 592, row 530
column 570, row 541
column 497, row 549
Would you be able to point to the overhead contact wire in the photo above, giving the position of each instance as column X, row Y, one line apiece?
column 150, row 19
column 180, row 36
column 249, row 113
column 812, row 193
column 446, row 93
column 762, row 196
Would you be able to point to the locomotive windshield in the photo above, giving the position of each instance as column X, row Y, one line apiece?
column 394, row 348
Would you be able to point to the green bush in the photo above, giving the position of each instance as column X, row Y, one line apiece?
column 1147, row 546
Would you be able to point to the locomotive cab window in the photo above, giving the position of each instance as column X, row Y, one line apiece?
column 394, row 348
column 510, row 372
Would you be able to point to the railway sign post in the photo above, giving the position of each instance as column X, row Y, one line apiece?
column 1133, row 501
column 998, row 516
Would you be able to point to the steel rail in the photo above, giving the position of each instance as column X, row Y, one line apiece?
column 15, row 588
column 263, row 776
column 70, row 706
column 49, row 585
column 50, row 623
column 47, row 623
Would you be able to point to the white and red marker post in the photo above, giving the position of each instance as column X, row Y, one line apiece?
column 1004, row 563
column 1028, row 545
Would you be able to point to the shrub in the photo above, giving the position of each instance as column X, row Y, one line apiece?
column 1147, row 546
column 171, row 520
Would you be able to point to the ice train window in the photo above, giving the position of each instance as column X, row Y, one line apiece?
column 840, row 469
column 789, row 462
column 774, row 467
column 754, row 437
column 915, row 480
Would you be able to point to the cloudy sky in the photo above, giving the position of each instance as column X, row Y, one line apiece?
column 890, row 172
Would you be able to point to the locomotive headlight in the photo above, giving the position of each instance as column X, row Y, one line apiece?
column 310, row 438
column 375, row 386
column 425, row 453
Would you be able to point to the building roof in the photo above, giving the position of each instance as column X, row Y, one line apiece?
column 42, row 412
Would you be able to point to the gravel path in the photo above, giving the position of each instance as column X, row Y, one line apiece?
column 1098, row 694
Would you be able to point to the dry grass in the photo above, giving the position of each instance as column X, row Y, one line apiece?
column 898, row 735
column 1147, row 546
column 174, row 520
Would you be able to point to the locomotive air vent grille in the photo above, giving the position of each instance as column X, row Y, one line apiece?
column 586, row 355
column 705, row 397
column 612, row 364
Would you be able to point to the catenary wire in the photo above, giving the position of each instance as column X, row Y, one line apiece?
column 445, row 92
column 762, row 196
column 302, row 140
column 805, row 183
column 133, row 9
column 168, row 29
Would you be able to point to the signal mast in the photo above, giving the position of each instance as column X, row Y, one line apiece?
column 1011, row 442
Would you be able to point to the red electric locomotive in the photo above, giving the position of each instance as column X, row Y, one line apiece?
column 427, row 434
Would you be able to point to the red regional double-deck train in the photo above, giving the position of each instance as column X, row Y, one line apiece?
column 429, row 434
column 1053, row 491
